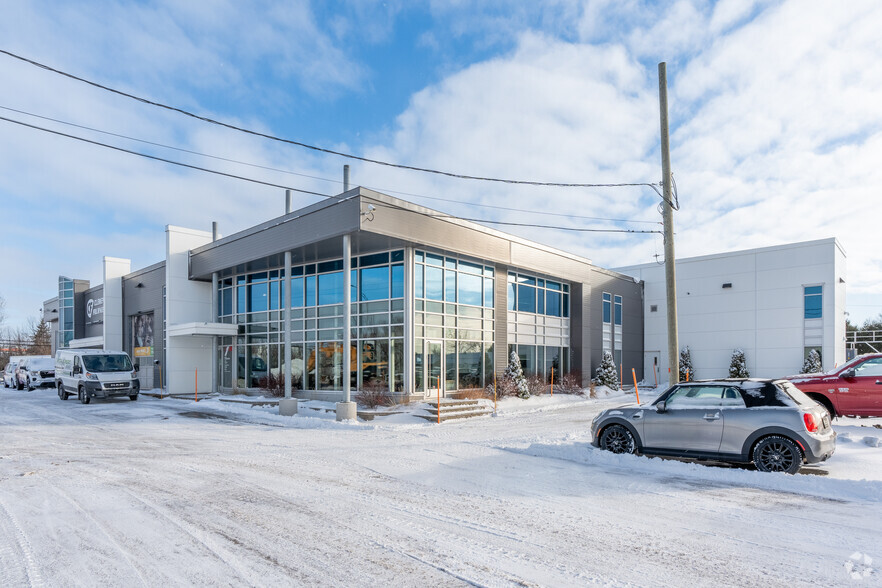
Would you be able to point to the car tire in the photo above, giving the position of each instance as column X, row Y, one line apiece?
column 84, row 397
column 777, row 454
column 133, row 397
column 618, row 439
column 19, row 385
column 61, row 393
column 30, row 387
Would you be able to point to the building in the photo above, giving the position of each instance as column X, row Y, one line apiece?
column 436, row 302
column 776, row 303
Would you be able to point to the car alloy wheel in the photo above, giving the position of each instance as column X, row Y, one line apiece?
column 617, row 439
column 777, row 454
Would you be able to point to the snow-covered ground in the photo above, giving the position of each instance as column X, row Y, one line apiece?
column 173, row 492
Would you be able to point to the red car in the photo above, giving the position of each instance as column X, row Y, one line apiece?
column 852, row 389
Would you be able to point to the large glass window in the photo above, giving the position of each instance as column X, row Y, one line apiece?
column 374, row 283
column 813, row 301
column 537, row 296
column 330, row 288
column 434, row 283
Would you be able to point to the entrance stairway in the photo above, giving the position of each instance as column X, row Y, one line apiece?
column 456, row 409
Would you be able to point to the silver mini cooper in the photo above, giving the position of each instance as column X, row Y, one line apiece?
column 768, row 422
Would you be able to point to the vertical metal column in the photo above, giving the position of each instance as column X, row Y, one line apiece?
column 214, row 313
column 286, row 287
column 347, row 315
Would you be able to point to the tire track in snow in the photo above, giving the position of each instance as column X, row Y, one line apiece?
column 106, row 530
column 27, row 570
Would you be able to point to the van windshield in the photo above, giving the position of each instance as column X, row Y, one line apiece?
column 107, row 363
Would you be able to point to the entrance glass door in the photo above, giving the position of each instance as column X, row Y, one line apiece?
column 435, row 367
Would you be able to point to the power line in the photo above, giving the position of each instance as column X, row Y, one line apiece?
column 172, row 162
column 268, row 168
column 261, row 182
column 322, row 149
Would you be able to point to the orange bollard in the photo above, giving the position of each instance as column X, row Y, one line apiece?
column 687, row 375
column 634, row 375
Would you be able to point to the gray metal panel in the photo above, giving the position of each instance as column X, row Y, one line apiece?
column 500, row 313
column 426, row 231
column 580, row 334
column 632, row 318
column 93, row 327
column 549, row 263
column 145, row 298
column 80, row 287
column 290, row 232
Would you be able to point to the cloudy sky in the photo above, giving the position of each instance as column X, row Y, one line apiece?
column 775, row 112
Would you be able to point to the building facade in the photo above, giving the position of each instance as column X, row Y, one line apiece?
column 437, row 305
column 775, row 303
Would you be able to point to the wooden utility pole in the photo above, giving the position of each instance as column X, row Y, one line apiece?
column 668, row 218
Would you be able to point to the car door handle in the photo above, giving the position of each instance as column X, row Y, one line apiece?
column 879, row 382
column 712, row 416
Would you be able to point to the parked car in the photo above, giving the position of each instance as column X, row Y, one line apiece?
column 95, row 373
column 9, row 371
column 770, row 423
column 39, row 371
column 852, row 389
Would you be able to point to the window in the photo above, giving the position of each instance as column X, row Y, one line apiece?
column 607, row 308
column 695, row 396
column 813, row 301
column 871, row 367
column 618, row 310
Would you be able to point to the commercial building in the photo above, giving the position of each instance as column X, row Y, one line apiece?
column 775, row 303
column 435, row 302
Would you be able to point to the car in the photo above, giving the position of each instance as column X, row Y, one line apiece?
column 9, row 371
column 769, row 423
column 39, row 371
column 852, row 389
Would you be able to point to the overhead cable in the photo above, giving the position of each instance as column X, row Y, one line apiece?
column 268, row 168
column 322, row 149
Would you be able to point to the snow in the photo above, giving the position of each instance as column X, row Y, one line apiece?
column 177, row 492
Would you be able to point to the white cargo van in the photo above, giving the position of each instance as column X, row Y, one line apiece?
column 95, row 373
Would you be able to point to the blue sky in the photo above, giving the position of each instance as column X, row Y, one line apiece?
column 776, row 122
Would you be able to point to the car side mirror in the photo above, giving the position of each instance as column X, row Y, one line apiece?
column 77, row 370
column 661, row 407
column 847, row 374
column 137, row 368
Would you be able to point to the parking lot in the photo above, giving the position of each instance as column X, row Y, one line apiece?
column 182, row 493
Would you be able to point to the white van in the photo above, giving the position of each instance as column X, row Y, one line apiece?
column 95, row 373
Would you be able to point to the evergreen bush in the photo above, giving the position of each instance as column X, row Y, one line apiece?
column 687, row 370
column 738, row 367
column 606, row 374
column 812, row 364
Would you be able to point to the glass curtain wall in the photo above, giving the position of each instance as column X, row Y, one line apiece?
column 539, row 324
column 453, row 319
column 65, row 312
column 254, row 302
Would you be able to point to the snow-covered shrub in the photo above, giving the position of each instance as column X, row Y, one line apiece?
column 536, row 384
column 374, row 393
column 512, row 382
column 273, row 386
column 606, row 374
column 687, row 370
column 569, row 383
column 738, row 366
column 812, row 364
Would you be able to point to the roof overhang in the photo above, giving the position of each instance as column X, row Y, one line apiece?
column 202, row 330
column 87, row 343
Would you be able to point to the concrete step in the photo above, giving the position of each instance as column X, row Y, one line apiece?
column 432, row 416
column 447, row 403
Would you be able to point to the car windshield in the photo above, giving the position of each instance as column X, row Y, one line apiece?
column 107, row 363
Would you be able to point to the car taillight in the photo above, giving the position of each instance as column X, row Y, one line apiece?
column 811, row 425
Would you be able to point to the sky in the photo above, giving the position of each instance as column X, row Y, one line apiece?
column 775, row 115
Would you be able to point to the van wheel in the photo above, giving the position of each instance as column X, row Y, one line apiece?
column 133, row 397
column 84, row 397
column 61, row 393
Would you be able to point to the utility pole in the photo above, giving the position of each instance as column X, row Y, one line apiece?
column 668, row 218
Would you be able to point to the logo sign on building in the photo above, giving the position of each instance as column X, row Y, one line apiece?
column 142, row 334
column 94, row 311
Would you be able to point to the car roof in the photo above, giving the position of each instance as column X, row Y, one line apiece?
column 730, row 381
